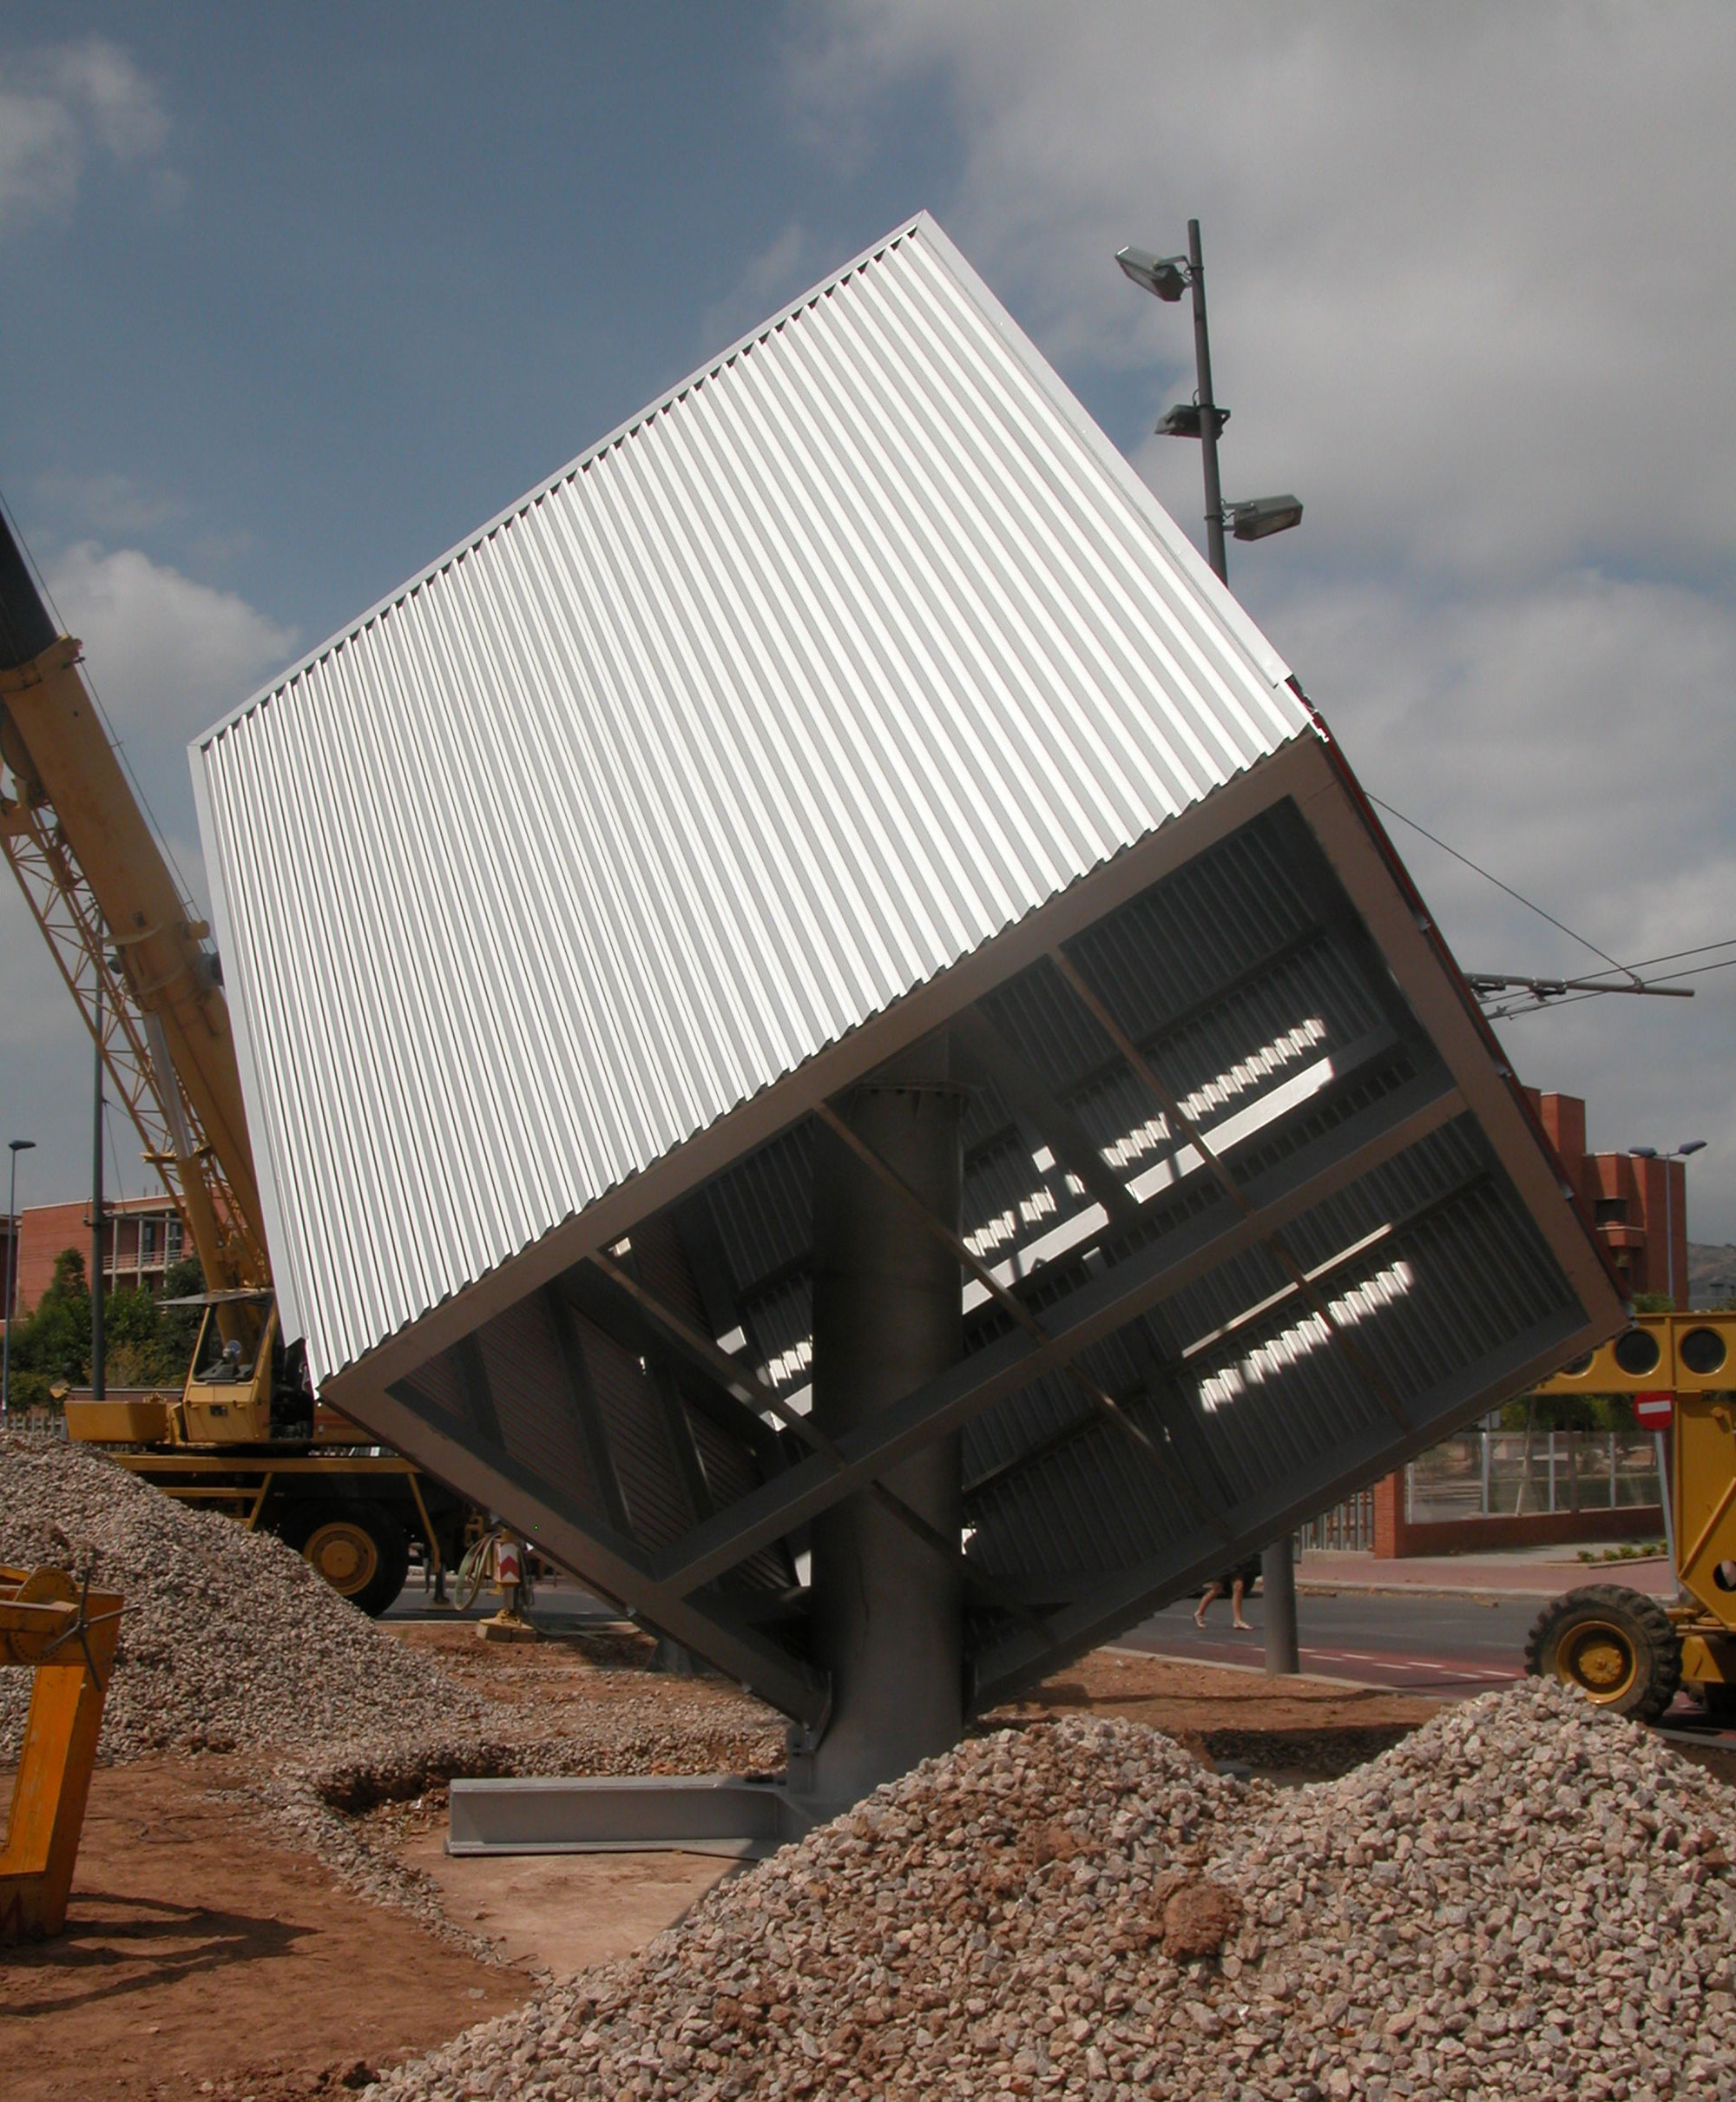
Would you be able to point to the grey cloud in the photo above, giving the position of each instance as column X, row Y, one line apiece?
column 1471, row 275
column 1473, row 297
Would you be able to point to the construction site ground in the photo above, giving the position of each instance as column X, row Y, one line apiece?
column 202, row 1958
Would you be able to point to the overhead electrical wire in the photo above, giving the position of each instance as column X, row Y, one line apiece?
column 1538, row 994
column 1531, row 904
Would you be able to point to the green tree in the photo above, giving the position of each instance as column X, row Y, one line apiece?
column 144, row 1344
column 1568, row 1413
column 53, row 1343
column 178, row 1327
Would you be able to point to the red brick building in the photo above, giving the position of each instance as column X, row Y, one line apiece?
column 142, row 1239
column 1639, row 1208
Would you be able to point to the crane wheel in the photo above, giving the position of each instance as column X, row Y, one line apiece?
column 359, row 1549
column 1616, row 1645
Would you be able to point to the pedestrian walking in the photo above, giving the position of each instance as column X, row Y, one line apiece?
column 1233, row 1585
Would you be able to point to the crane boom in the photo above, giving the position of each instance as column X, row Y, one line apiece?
column 98, row 884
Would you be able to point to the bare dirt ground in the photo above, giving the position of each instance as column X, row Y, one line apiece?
column 1303, row 1729
column 202, row 1958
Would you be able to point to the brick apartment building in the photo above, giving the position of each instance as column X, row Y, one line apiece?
column 143, row 1241
column 1639, row 1208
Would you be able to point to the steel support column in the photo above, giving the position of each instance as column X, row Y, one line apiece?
column 1278, row 1592
column 888, row 1611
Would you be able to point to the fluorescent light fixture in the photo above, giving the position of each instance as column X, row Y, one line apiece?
column 1165, row 276
column 1261, row 516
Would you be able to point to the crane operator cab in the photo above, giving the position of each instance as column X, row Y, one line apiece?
column 244, row 1387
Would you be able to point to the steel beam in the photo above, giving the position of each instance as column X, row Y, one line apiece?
column 582, row 1402
column 598, row 1556
column 1146, row 1072
column 1145, row 1278
column 887, row 1621
column 1094, row 1613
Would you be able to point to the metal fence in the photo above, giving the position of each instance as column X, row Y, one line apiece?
column 1511, row 1473
column 40, row 1422
column 1349, row 1525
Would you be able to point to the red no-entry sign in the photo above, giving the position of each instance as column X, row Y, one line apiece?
column 1655, row 1412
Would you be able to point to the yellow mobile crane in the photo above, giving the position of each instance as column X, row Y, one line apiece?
column 1626, row 1650
column 245, row 1432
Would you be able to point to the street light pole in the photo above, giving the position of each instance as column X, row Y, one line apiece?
column 98, row 1365
column 17, row 1146
column 1208, row 408
column 1166, row 277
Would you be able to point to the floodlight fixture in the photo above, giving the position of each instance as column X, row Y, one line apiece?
column 1261, row 516
column 1188, row 419
column 1165, row 276
column 1203, row 418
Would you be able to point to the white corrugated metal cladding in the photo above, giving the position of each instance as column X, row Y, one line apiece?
column 849, row 652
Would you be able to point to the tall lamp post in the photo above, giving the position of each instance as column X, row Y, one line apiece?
column 1667, row 1154
column 1166, row 277
column 98, row 1353
column 17, row 1146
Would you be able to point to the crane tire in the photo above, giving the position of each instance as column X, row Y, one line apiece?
column 360, row 1550
column 1616, row 1645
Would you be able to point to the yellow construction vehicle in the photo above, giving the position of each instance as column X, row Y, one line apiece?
column 1629, row 1651
column 245, row 1432
column 66, row 1633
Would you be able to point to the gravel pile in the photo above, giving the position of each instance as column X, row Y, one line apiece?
column 1526, row 1898
column 230, row 1643
column 229, row 1640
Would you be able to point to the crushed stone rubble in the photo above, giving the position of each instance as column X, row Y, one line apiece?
column 229, row 1640
column 230, row 1644
column 1525, row 1898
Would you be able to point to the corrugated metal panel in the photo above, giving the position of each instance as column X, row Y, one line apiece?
column 856, row 657
column 843, row 656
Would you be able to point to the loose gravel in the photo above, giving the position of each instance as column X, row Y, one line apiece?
column 229, row 1641
column 1526, row 1898
column 230, row 1644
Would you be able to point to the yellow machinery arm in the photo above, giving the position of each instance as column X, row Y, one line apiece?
column 132, row 955
column 68, row 1637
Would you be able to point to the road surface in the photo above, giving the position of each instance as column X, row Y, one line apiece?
column 1449, row 1646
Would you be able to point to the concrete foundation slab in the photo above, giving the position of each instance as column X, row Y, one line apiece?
column 723, row 1814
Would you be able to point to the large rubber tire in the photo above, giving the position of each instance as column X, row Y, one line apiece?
column 1618, row 1645
column 359, row 1549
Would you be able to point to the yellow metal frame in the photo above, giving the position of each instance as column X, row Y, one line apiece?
column 68, row 1637
column 244, row 1487
column 1702, row 1441
column 1602, row 1372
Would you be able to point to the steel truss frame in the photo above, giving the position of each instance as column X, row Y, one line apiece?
column 691, row 1587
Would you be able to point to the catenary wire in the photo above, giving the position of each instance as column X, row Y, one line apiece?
column 1519, row 896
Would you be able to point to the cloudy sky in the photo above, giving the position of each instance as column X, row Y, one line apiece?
column 298, row 297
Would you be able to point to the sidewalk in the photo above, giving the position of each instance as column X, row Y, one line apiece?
column 1533, row 1573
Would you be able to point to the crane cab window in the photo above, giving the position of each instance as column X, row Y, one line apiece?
column 230, row 1339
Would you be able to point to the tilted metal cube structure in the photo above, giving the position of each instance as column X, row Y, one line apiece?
column 855, row 719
